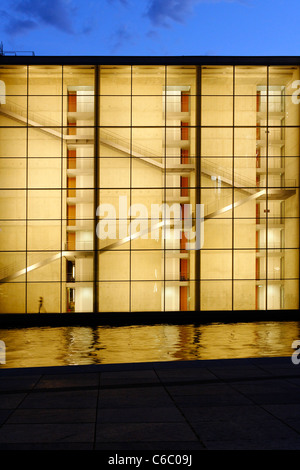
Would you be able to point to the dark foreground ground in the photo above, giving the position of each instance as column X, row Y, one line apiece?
column 166, row 407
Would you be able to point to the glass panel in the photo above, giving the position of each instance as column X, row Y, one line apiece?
column 179, row 106
column 14, row 80
column 245, row 141
column 115, row 111
column 274, row 295
column 291, row 294
column 245, row 295
column 216, row 172
column 83, row 274
column 291, row 232
column 143, row 201
column 216, row 111
column 45, row 111
column 114, row 266
column 43, row 266
column 114, row 297
column 217, row 80
column 178, row 296
column 45, row 80
column 146, row 296
column 291, row 146
column 147, row 266
column 247, row 203
column 12, row 298
column 245, row 264
column 43, row 297
column 12, row 173
column 44, row 143
column 246, row 174
column 44, row 204
column 39, row 167
column 145, row 174
column 283, row 76
column 83, row 297
column 110, row 167
column 115, row 80
column 113, row 205
column 245, row 235
column 44, row 235
column 76, row 165
column 217, row 203
column 216, row 264
column 113, row 234
column 249, row 78
column 148, row 80
column 288, row 266
column 13, row 235
column 75, row 76
column 13, row 142
column 12, row 204
column 147, row 111
column 261, row 300
column 146, row 234
column 148, row 145
column 14, row 111
column 182, row 76
column 12, row 267
column 245, row 111
column 217, row 233
column 216, row 142
column 216, row 295
column 114, row 143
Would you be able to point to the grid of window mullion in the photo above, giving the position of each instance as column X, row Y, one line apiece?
column 198, row 187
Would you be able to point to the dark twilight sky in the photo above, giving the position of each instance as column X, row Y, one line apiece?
column 151, row 27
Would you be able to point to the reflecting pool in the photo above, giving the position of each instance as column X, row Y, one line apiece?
column 74, row 345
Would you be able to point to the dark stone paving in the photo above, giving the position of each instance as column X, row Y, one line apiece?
column 242, row 404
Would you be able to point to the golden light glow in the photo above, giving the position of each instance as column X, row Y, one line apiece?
column 152, row 136
column 61, row 346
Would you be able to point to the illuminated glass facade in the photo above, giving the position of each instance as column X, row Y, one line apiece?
column 94, row 155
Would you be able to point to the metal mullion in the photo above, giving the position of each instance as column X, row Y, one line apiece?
column 130, row 194
column 197, row 288
column 61, row 190
column 96, row 191
column 165, row 188
column 267, row 185
column 26, row 196
column 233, row 161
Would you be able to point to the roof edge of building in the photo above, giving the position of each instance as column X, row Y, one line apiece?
column 150, row 60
